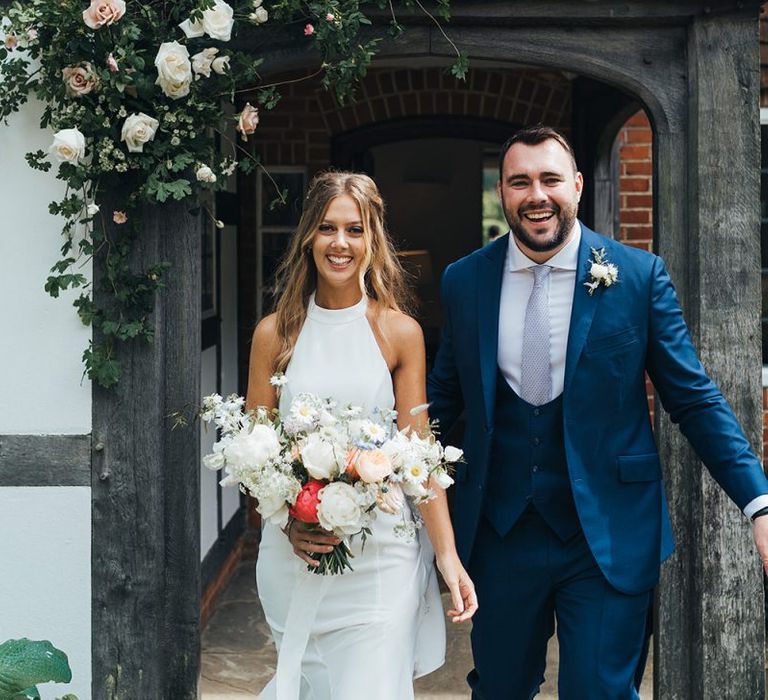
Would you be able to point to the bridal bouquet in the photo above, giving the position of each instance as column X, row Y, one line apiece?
column 326, row 466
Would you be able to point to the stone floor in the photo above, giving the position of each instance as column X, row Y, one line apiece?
column 238, row 657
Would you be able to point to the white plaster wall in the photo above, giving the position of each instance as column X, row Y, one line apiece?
column 209, row 529
column 45, row 589
column 230, row 497
column 41, row 385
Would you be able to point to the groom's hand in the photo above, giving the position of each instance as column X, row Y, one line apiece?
column 760, row 531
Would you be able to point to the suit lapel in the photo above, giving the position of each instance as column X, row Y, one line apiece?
column 490, row 272
column 584, row 305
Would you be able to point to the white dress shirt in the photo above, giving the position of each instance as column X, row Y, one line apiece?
column 516, row 286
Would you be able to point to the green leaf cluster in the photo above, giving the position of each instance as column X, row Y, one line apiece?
column 25, row 663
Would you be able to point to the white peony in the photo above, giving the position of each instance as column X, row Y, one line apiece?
column 217, row 23
column 203, row 61
column 253, row 446
column 68, row 146
column 138, row 129
column 274, row 509
column 174, row 70
column 205, row 174
column 319, row 457
column 339, row 510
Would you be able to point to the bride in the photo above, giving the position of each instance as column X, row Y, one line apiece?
column 339, row 332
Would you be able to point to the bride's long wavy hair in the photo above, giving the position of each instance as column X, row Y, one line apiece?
column 381, row 275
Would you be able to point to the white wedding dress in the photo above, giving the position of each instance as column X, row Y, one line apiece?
column 365, row 633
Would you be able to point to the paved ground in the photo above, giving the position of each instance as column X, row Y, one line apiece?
column 238, row 656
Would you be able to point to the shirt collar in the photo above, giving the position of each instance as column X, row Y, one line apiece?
column 567, row 258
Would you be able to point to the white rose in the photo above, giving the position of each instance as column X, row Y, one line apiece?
column 202, row 61
column 598, row 271
column 92, row 209
column 191, row 29
column 138, row 129
column 68, row 146
column 274, row 509
column 441, row 478
column 252, row 446
column 218, row 21
column 318, row 457
column 205, row 174
column 220, row 65
column 214, row 461
column 259, row 15
column 174, row 70
column 338, row 509
column 453, row 454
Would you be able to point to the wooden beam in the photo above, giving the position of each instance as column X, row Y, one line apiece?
column 45, row 460
column 145, row 489
column 711, row 618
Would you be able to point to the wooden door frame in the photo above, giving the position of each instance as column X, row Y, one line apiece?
column 693, row 66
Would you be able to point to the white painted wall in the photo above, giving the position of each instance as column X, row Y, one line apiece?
column 41, row 385
column 230, row 497
column 45, row 589
column 209, row 529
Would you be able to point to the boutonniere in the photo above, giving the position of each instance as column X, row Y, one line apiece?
column 600, row 271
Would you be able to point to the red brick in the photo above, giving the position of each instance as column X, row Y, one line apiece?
column 634, row 201
column 640, row 167
column 635, row 216
column 636, row 135
column 634, row 184
column 638, row 119
column 635, row 152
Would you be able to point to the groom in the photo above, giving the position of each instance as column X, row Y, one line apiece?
column 560, row 511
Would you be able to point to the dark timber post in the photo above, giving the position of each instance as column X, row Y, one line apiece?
column 710, row 627
column 145, row 498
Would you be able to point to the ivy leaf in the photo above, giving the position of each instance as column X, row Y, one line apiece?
column 100, row 367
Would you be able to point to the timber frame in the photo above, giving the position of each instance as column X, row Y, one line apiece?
column 694, row 67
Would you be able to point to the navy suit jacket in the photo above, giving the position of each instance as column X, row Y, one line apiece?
column 616, row 335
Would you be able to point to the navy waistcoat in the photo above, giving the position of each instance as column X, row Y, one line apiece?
column 528, row 467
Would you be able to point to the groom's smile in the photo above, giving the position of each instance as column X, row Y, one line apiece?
column 540, row 190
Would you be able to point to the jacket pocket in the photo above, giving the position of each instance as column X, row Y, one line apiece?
column 634, row 468
column 612, row 341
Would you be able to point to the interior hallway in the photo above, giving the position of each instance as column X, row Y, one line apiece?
column 238, row 657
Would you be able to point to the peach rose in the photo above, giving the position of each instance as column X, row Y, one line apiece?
column 80, row 80
column 373, row 465
column 103, row 12
column 247, row 121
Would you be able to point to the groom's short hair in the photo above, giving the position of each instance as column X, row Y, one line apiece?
column 533, row 136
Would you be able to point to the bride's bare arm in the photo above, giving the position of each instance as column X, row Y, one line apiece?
column 261, row 365
column 409, row 380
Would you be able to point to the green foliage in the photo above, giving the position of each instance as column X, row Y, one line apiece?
column 95, row 83
column 24, row 663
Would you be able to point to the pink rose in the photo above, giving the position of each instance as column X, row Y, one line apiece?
column 373, row 466
column 103, row 12
column 119, row 217
column 309, row 30
column 32, row 34
column 305, row 508
column 112, row 64
column 247, row 121
column 80, row 80
column 11, row 42
column 329, row 17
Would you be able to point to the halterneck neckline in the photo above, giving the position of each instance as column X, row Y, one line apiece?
column 345, row 315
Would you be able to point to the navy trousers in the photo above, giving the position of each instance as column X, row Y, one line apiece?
column 525, row 582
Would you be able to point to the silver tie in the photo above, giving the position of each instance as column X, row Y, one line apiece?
column 535, row 369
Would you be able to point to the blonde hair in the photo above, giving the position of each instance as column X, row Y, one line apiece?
column 381, row 275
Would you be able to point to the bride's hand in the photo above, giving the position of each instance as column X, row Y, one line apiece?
column 307, row 541
column 462, row 589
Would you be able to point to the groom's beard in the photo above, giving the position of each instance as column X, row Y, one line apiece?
column 566, row 219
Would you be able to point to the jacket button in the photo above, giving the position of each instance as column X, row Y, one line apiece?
column 536, row 411
column 536, row 441
column 535, row 468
